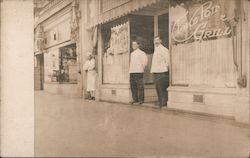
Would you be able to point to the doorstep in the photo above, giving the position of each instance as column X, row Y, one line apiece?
column 193, row 114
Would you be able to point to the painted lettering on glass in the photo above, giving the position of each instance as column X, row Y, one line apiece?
column 196, row 25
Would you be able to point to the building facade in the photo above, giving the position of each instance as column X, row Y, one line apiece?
column 208, row 42
column 57, row 48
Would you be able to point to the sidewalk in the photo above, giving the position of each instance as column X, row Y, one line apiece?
column 75, row 127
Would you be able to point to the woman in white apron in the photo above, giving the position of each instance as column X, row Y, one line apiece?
column 90, row 69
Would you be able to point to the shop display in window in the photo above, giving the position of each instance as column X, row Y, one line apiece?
column 68, row 65
column 61, row 65
column 116, row 57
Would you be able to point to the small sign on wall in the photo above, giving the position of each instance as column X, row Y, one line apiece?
column 113, row 92
column 198, row 98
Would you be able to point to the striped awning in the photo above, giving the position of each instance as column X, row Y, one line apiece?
column 122, row 10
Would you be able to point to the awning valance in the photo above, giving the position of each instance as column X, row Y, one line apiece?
column 122, row 10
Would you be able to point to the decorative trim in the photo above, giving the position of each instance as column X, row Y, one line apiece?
column 40, row 39
column 74, row 21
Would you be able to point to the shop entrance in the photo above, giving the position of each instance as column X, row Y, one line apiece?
column 145, row 27
column 114, row 49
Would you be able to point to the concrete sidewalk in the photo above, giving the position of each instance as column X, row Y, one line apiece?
column 73, row 127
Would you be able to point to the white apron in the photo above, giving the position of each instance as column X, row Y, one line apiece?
column 91, row 74
column 91, row 80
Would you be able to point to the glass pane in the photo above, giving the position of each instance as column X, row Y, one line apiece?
column 68, row 65
column 115, row 52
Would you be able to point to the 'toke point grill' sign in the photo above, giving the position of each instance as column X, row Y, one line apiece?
column 195, row 26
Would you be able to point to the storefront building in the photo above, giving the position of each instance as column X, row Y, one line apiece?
column 117, row 24
column 209, row 45
column 208, row 42
column 57, row 55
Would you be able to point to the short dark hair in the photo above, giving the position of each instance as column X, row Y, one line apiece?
column 135, row 40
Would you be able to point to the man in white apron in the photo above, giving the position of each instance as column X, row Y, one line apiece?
column 138, row 63
column 90, row 70
column 160, row 69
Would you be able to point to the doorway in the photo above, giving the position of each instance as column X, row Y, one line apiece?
column 39, row 72
column 145, row 27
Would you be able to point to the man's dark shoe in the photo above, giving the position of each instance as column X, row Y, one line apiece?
column 141, row 102
column 133, row 102
column 165, row 105
column 157, row 104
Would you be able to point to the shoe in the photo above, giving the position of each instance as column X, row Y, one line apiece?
column 133, row 102
column 141, row 102
column 92, row 98
column 157, row 105
column 165, row 105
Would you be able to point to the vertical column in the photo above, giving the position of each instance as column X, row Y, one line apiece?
column 85, row 41
column 156, row 28
column 17, row 78
column 100, row 70
column 242, row 104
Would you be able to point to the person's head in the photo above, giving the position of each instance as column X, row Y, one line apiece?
column 157, row 41
column 89, row 55
column 135, row 44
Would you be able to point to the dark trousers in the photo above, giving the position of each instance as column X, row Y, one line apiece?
column 137, row 87
column 161, row 84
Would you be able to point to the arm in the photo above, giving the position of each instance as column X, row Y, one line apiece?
column 86, row 66
column 91, row 64
column 145, row 60
column 165, row 56
column 167, row 59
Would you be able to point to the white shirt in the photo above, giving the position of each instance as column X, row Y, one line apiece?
column 89, row 65
column 161, row 60
column 138, row 61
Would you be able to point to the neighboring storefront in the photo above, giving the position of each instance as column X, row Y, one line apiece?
column 57, row 48
column 210, row 57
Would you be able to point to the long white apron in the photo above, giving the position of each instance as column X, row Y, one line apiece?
column 91, row 74
column 91, row 80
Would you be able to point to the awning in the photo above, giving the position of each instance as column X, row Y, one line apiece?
column 122, row 10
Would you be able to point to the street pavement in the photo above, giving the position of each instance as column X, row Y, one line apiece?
column 73, row 127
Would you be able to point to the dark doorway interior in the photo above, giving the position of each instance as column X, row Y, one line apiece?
column 39, row 72
column 163, row 26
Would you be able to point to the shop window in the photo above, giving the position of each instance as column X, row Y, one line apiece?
column 203, row 43
column 116, row 51
column 202, row 20
column 67, row 65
